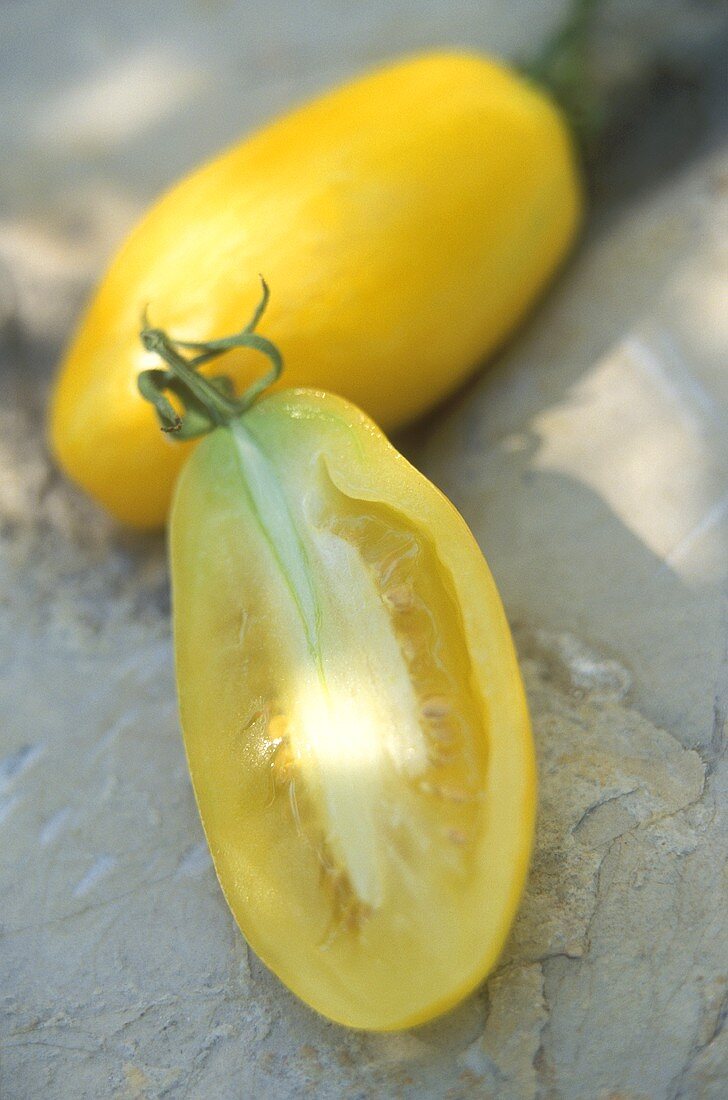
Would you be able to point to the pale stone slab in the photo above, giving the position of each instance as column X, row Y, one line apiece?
column 590, row 462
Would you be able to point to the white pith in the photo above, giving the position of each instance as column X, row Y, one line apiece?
column 353, row 721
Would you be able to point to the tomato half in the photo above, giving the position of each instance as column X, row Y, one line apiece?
column 353, row 713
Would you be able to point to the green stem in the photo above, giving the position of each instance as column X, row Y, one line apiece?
column 562, row 68
column 219, row 407
column 207, row 402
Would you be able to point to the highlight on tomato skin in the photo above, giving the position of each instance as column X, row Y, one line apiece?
column 353, row 714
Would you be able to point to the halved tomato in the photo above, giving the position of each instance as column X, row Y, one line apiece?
column 352, row 710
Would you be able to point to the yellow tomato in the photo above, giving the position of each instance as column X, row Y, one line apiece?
column 353, row 715
column 405, row 223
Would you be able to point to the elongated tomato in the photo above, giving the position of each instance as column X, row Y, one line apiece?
column 352, row 710
column 406, row 221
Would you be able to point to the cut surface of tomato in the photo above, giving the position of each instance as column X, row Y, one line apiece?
column 352, row 711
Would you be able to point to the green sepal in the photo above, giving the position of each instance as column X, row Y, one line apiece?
column 197, row 420
column 563, row 69
column 151, row 385
column 207, row 402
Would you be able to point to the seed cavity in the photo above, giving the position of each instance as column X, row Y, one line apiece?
column 255, row 717
column 277, row 729
column 436, row 708
column 444, row 736
column 453, row 794
column 349, row 913
column 399, row 597
column 417, row 778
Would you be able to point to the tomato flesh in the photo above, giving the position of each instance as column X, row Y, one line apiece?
column 352, row 712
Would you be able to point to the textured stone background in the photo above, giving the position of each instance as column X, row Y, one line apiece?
column 590, row 461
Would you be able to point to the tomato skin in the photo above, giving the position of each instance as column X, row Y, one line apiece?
column 310, row 561
column 405, row 222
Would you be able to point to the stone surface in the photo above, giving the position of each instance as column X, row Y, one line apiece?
column 590, row 462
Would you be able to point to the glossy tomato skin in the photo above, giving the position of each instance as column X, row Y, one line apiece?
column 404, row 222
column 353, row 714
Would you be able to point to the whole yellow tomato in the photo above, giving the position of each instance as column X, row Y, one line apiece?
column 405, row 222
